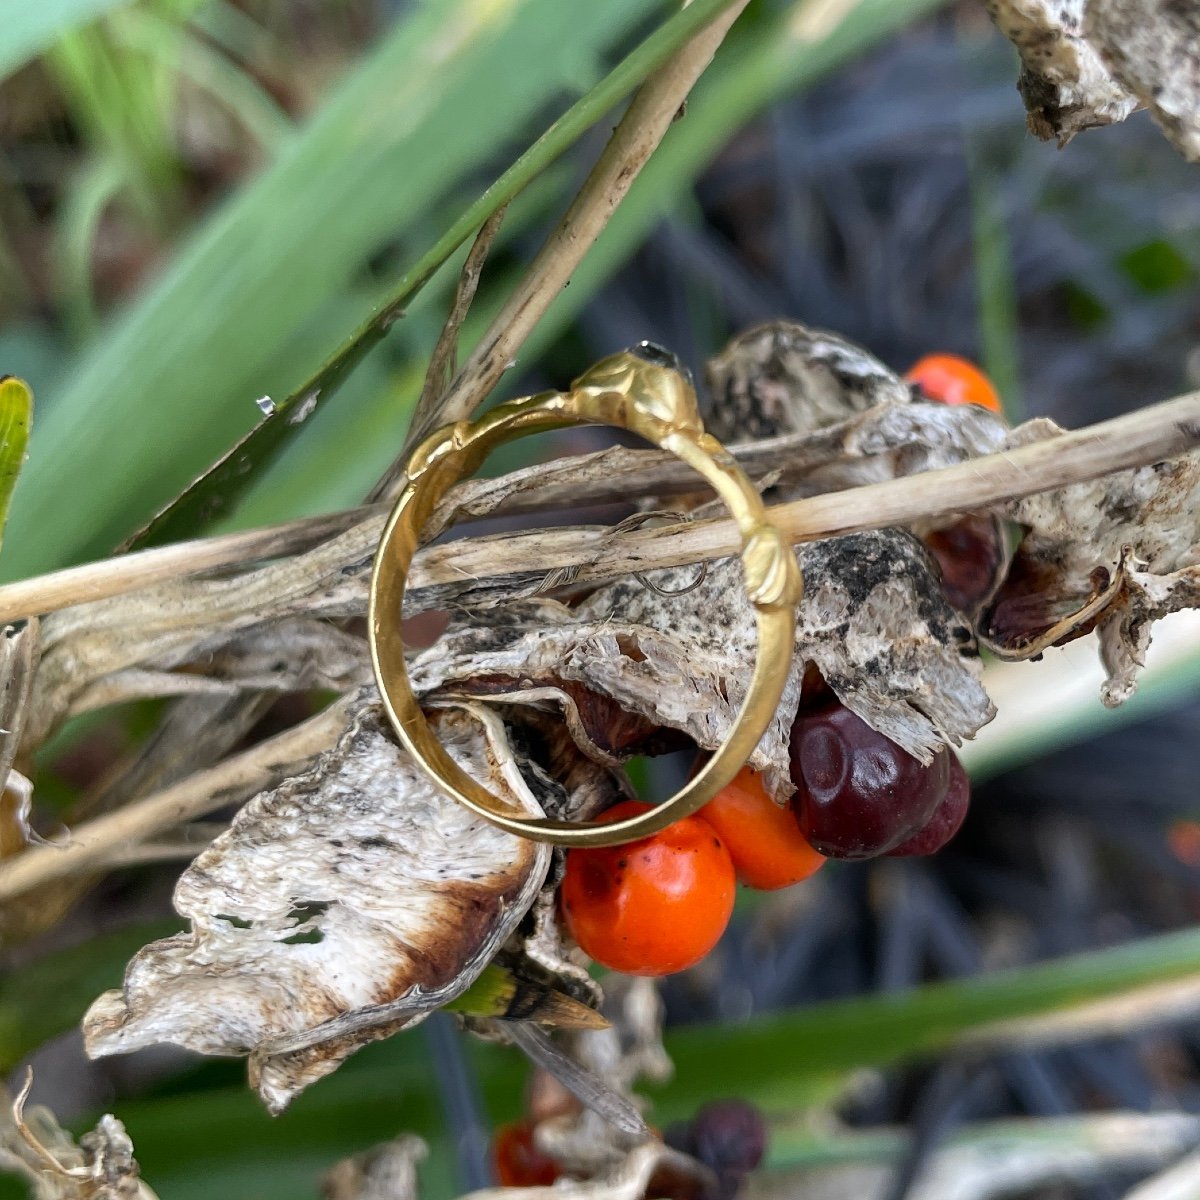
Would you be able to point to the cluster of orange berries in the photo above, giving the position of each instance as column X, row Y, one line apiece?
column 659, row 905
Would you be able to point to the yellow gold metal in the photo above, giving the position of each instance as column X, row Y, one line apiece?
column 656, row 402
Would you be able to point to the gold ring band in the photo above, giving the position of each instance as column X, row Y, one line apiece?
column 642, row 392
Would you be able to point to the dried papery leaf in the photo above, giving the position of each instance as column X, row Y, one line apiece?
column 167, row 622
column 35, row 1147
column 339, row 908
column 16, row 807
column 1125, row 632
column 388, row 1172
column 784, row 377
column 1152, row 48
column 873, row 620
column 187, row 656
column 1065, row 82
column 19, row 656
column 1117, row 553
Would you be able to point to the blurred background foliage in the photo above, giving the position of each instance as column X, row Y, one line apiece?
column 200, row 200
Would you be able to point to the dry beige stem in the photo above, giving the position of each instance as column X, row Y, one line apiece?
column 655, row 105
column 330, row 581
column 92, row 843
column 109, row 577
column 339, row 908
column 875, row 445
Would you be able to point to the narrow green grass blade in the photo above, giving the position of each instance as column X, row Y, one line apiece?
column 216, row 492
column 755, row 67
column 172, row 383
column 785, row 1058
column 784, row 1062
column 31, row 27
column 790, row 1055
column 16, row 416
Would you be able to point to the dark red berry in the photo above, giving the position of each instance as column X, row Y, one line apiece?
column 518, row 1161
column 970, row 554
column 730, row 1136
column 947, row 817
column 858, row 794
column 671, row 1181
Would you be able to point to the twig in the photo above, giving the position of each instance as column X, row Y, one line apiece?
column 94, row 842
column 654, row 106
column 443, row 362
column 1148, row 435
column 142, row 568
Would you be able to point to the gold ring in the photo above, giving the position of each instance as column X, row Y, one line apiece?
column 642, row 391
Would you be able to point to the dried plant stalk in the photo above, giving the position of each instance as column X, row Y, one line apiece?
column 196, row 796
column 655, row 105
column 1146, row 436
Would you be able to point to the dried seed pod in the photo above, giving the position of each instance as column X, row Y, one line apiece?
column 972, row 558
column 1087, row 63
column 1113, row 554
column 873, row 620
column 784, row 377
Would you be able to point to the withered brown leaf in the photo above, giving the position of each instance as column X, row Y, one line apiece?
column 340, row 907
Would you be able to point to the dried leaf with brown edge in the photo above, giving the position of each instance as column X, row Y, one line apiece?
column 1113, row 554
column 339, row 908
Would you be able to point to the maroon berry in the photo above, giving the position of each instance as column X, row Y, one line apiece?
column 858, row 794
column 730, row 1136
column 947, row 817
column 970, row 554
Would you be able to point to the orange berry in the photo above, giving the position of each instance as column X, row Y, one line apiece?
column 518, row 1161
column 949, row 379
column 654, row 906
column 1183, row 837
column 768, row 850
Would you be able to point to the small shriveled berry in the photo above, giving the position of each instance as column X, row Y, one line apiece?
column 858, row 794
column 730, row 1136
column 947, row 818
